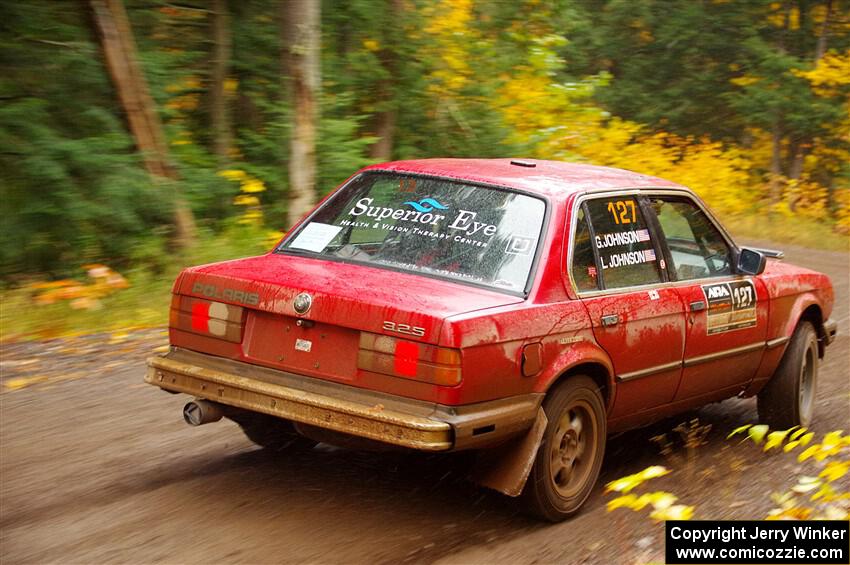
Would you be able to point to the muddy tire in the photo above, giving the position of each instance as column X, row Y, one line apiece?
column 570, row 455
column 272, row 433
column 788, row 399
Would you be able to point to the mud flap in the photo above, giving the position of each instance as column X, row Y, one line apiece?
column 506, row 468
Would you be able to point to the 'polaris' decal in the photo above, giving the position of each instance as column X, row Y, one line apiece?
column 731, row 306
column 212, row 291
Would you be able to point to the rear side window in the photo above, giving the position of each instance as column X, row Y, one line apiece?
column 623, row 242
column 696, row 246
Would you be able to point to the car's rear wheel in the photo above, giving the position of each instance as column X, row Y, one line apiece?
column 271, row 433
column 788, row 399
column 570, row 454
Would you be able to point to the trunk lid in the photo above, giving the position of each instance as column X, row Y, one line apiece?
column 346, row 299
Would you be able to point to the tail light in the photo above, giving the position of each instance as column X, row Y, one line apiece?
column 409, row 359
column 204, row 317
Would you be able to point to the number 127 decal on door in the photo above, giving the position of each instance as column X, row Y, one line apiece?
column 731, row 306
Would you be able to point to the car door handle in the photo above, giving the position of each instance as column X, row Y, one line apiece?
column 610, row 320
column 698, row 306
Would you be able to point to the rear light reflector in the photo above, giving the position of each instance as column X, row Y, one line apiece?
column 204, row 317
column 409, row 359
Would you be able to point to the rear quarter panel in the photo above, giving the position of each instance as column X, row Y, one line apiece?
column 492, row 347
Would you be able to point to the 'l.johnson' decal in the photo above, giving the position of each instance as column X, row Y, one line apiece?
column 731, row 306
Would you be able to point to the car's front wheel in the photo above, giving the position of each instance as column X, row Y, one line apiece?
column 788, row 399
column 570, row 455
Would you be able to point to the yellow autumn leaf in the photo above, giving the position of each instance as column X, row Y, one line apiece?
column 832, row 440
column 676, row 512
column 775, row 439
column 757, row 433
column 807, row 438
column 246, row 200
column 272, row 237
column 252, row 185
column 628, row 483
column 808, row 452
column 625, row 501
column 745, row 80
column 794, row 513
column 739, row 430
column 23, row 382
column 806, row 484
column 834, row 470
column 232, row 174
column 790, row 445
column 231, row 85
column 661, row 500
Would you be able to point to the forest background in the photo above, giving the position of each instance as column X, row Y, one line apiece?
column 141, row 136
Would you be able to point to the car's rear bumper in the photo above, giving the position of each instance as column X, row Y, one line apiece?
column 830, row 330
column 374, row 415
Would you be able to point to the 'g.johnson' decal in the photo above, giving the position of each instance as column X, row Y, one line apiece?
column 731, row 306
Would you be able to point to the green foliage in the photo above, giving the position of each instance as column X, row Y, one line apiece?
column 71, row 188
column 594, row 80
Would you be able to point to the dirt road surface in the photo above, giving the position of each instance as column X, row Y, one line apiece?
column 96, row 466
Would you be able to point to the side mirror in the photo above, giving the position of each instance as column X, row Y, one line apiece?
column 751, row 262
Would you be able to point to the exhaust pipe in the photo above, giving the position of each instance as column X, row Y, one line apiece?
column 199, row 412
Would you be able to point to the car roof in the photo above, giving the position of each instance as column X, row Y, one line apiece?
column 550, row 178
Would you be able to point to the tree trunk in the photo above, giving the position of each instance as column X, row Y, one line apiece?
column 775, row 187
column 302, row 51
column 219, row 111
column 798, row 159
column 382, row 150
column 122, row 62
column 820, row 51
column 385, row 120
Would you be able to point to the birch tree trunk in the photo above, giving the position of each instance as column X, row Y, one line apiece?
column 119, row 50
column 301, row 21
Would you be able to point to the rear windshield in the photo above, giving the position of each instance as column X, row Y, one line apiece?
column 458, row 231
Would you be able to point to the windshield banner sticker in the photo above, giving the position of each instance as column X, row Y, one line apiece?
column 731, row 306
column 315, row 237
column 424, row 213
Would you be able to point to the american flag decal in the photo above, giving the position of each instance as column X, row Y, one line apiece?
column 643, row 235
column 649, row 254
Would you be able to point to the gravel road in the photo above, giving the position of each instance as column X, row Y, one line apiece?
column 96, row 466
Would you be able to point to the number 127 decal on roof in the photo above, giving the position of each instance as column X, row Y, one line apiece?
column 731, row 306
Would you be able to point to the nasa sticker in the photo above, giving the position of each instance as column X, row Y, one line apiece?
column 731, row 306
